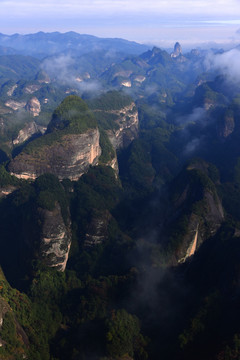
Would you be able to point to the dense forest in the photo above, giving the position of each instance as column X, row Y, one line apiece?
column 134, row 254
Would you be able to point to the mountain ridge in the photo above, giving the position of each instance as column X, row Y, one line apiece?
column 43, row 44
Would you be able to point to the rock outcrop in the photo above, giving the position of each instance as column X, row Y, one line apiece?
column 55, row 238
column 177, row 53
column 97, row 229
column 7, row 190
column 69, row 147
column 197, row 209
column 127, row 131
column 33, row 106
column 32, row 88
column 201, row 226
column 11, row 90
column 15, row 105
column 68, row 158
column 177, row 50
column 27, row 132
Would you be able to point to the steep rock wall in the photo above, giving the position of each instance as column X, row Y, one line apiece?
column 68, row 158
column 127, row 131
column 201, row 225
column 55, row 238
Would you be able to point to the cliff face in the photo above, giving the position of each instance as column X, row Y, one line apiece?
column 201, row 225
column 127, row 121
column 197, row 209
column 97, row 229
column 69, row 146
column 55, row 238
column 68, row 158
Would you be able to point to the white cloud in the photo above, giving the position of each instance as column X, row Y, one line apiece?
column 72, row 7
column 227, row 64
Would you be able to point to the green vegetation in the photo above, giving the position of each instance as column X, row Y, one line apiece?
column 124, row 293
column 17, row 67
column 7, row 179
column 106, row 120
column 108, row 152
column 123, row 335
column 112, row 100
column 49, row 191
column 71, row 117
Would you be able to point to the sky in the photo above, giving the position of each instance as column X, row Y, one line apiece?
column 158, row 22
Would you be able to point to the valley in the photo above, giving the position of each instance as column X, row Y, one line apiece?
column 119, row 200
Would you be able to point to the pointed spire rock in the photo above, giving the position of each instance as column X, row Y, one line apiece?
column 177, row 50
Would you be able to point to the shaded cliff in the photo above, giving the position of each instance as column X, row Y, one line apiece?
column 196, row 212
column 69, row 146
column 55, row 238
column 36, row 228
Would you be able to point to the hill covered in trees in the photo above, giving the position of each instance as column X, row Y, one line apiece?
column 135, row 256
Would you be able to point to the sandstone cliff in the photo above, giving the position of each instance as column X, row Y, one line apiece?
column 69, row 147
column 197, row 209
column 127, row 126
column 68, row 158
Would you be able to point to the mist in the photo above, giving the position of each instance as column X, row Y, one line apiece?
column 226, row 64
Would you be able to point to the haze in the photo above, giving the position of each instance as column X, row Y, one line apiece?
column 157, row 22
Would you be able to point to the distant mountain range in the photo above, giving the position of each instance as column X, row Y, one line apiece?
column 44, row 44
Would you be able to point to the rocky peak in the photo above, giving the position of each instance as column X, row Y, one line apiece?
column 177, row 50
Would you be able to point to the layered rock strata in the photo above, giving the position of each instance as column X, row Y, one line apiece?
column 69, row 157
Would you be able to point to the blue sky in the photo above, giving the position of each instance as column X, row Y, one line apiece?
column 150, row 21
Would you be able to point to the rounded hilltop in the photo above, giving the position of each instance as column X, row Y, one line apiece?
column 74, row 114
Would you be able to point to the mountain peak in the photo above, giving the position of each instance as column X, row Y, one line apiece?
column 177, row 50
